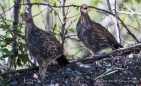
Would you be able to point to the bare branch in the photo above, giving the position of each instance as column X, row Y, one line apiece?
column 118, row 26
column 95, row 58
column 63, row 23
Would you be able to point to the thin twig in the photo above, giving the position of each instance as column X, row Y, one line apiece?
column 118, row 26
column 109, row 5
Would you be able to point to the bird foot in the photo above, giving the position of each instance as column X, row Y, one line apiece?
column 43, row 74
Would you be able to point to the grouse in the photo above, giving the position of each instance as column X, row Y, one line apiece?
column 42, row 45
column 93, row 35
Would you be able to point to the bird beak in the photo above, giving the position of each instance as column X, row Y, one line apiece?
column 85, row 8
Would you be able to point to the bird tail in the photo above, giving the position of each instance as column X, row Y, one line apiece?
column 118, row 46
column 62, row 60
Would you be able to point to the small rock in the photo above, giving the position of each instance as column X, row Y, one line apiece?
column 134, row 80
column 125, row 72
column 66, row 82
column 50, row 85
column 89, row 71
column 45, row 80
column 35, row 76
column 131, row 55
column 109, row 65
column 120, row 74
column 57, row 84
column 14, row 83
column 68, row 69
column 81, row 65
column 88, row 77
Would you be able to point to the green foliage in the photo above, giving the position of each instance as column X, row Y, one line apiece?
column 95, row 2
column 6, row 40
column 35, row 1
column 125, row 1
column 109, row 71
column 3, row 83
column 55, row 13
column 6, row 52
column 3, row 44
column 72, row 30
column 122, row 17
column 138, row 1
column 54, row 4
column 22, row 58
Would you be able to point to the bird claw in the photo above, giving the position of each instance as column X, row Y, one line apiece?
column 43, row 74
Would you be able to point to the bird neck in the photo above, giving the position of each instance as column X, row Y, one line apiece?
column 85, row 17
column 30, row 22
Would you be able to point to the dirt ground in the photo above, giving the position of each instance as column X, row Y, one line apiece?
column 127, row 73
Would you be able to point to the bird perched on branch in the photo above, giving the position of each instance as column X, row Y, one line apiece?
column 93, row 35
column 42, row 45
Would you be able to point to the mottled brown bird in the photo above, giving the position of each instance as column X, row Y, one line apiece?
column 42, row 45
column 93, row 35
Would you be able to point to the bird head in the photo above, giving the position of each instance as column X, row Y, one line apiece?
column 26, row 16
column 84, row 9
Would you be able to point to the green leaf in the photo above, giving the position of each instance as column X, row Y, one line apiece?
column 95, row 2
column 34, row 1
column 122, row 17
column 8, row 40
column 22, row 58
column 138, row 1
column 6, row 51
column 5, row 56
column 3, row 44
column 22, row 45
column 55, row 13
column 2, row 26
column 109, row 71
column 54, row 4
column 125, row 1
column 17, row 31
column 72, row 30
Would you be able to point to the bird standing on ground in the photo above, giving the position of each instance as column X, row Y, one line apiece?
column 42, row 45
column 93, row 35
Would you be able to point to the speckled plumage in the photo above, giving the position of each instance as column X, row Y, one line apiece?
column 42, row 45
column 93, row 35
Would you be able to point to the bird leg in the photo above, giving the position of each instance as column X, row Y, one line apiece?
column 40, row 65
column 45, row 63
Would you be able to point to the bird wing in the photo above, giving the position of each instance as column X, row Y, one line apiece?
column 47, row 44
column 96, row 35
column 108, row 36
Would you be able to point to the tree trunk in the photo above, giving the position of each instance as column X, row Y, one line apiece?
column 12, row 58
